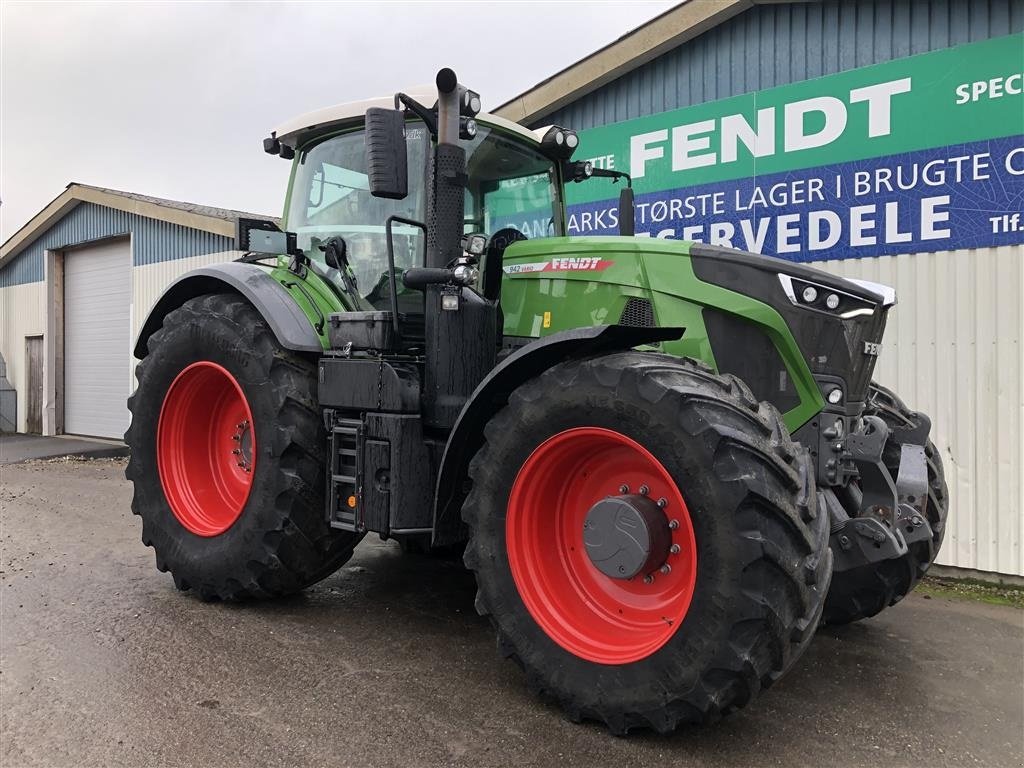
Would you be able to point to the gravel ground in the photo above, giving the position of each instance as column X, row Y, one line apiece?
column 385, row 663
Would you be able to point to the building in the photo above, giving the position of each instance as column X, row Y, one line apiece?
column 76, row 283
column 730, row 113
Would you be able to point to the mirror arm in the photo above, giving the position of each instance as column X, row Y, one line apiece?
column 616, row 175
column 428, row 116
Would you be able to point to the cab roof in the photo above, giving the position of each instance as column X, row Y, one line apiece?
column 311, row 125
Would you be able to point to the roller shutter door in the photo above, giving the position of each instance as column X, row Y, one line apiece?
column 97, row 354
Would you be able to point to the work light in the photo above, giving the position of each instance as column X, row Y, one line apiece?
column 559, row 142
column 469, row 105
column 467, row 128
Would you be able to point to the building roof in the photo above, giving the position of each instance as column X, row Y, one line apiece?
column 671, row 29
column 219, row 221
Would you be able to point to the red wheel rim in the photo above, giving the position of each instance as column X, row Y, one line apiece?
column 593, row 616
column 206, row 448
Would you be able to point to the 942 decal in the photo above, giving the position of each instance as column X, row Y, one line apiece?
column 581, row 264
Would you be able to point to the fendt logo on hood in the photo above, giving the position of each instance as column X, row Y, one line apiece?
column 581, row 264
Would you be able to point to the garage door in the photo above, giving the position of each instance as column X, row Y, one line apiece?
column 97, row 330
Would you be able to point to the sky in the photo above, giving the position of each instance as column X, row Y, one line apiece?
column 174, row 99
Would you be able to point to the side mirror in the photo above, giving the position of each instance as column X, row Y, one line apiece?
column 262, row 236
column 581, row 170
column 386, row 163
column 627, row 212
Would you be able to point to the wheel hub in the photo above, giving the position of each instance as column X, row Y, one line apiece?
column 626, row 536
column 567, row 533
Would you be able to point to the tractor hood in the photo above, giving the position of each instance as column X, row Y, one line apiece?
column 580, row 257
column 785, row 328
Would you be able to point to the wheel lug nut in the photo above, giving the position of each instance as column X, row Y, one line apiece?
column 662, row 502
column 237, row 451
column 673, row 524
column 649, row 578
column 666, row 568
column 236, row 437
column 674, row 549
column 644, row 490
column 623, row 488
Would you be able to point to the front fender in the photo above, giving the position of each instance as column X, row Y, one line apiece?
column 492, row 394
column 290, row 326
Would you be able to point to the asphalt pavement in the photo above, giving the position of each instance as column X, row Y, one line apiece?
column 104, row 663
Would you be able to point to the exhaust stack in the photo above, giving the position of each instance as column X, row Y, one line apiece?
column 460, row 326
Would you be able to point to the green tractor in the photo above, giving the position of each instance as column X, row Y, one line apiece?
column 666, row 461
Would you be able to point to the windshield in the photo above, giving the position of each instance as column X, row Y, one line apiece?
column 331, row 196
column 511, row 186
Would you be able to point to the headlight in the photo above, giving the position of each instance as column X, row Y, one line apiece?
column 464, row 274
column 824, row 298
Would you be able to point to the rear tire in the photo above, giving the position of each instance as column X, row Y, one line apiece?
column 866, row 591
column 762, row 563
column 276, row 539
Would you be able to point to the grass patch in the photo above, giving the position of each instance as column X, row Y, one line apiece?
column 971, row 589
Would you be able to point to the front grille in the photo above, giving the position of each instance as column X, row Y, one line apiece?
column 638, row 313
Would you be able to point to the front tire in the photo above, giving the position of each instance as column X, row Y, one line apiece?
column 745, row 588
column 227, row 456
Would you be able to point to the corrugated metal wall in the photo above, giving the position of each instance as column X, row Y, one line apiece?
column 777, row 44
column 953, row 349
column 152, row 240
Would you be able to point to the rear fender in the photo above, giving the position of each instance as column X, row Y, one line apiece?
column 286, row 319
column 493, row 392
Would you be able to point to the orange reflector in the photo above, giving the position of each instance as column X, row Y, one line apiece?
column 352, row 502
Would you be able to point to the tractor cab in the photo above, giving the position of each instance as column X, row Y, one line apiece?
column 512, row 192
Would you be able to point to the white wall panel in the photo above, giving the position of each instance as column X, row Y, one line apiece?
column 953, row 349
column 150, row 281
column 22, row 313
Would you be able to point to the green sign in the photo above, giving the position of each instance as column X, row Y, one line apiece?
column 919, row 154
column 954, row 96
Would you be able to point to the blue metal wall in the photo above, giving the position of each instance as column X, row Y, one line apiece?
column 771, row 45
column 152, row 240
